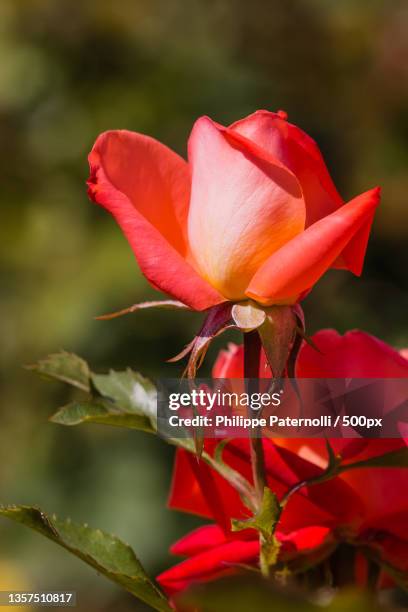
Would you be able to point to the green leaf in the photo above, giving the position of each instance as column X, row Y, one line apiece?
column 131, row 398
column 129, row 390
column 126, row 398
column 394, row 459
column 106, row 553
column 66, row 367
column 76, row 413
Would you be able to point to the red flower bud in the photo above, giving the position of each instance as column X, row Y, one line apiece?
column 253, row 213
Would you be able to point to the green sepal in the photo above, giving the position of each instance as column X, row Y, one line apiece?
column 277, row 333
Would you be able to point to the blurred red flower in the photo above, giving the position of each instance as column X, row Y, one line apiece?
column 365, row 507
column 254, row 212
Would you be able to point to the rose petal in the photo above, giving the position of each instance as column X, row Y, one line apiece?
column 394, row 520
column 218, row 560
column 302, row 540
column 244, row 206
column 229, row 362
column 298, row 152
column 199, row 540
column 210, row 564
column 146, row 187
column 197, row 489
column 300, row 263
column 357, row 354
column 382, row 490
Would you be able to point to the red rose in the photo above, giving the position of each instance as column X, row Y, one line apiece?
column 254, row 212
column 367, row 507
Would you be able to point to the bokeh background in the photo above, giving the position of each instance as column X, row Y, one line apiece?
column 70, row 70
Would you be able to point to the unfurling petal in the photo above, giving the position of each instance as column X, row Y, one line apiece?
column 146, row 187
column 300, row 263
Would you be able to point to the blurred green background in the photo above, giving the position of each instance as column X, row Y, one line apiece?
column 70, row 70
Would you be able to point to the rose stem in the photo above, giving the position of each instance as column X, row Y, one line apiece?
column 252, row 358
